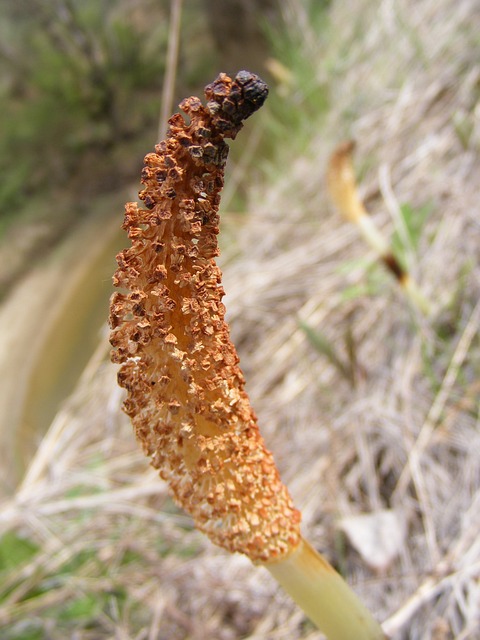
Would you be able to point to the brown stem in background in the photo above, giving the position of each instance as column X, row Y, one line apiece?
column 172, row 62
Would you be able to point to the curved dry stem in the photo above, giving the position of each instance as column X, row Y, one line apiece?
column 342, row 187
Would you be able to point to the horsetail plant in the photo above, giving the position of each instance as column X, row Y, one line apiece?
column 343, row 192
column 185, row 392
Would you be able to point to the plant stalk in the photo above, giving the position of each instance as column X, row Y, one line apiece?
column 324, row 596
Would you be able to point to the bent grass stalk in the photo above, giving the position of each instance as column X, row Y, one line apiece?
column 343, row 191
column 185, row 391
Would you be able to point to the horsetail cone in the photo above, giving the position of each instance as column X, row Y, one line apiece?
column 185, row 391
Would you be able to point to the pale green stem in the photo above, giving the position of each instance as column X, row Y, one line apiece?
column 375, row 239
column 416, row 296
column 371, row 234
column 324, row 596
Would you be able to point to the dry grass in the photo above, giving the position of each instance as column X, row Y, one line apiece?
column 405, row 82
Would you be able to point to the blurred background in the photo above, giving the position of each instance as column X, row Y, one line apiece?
column 370, row 404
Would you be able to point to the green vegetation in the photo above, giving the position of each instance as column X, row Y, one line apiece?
column 321, row 344
column 79, row 77
column 15, row 550
column 298, row 95
column 409, row 231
